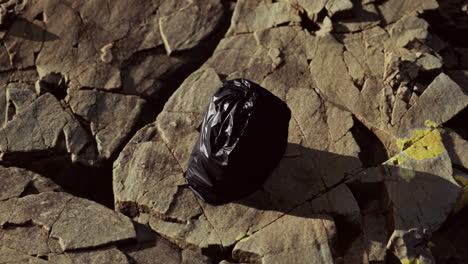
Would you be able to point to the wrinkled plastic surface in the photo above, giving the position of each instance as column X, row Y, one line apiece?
column 242, row 138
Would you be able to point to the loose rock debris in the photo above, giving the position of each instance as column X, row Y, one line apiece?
column 78, row 80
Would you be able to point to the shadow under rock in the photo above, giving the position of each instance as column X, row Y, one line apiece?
column 309, row 183
column 25, row 29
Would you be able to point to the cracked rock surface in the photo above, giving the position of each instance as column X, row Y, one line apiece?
column 101, row 102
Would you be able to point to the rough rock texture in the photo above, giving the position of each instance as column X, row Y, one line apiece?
column 106, row 98
column 390, row 76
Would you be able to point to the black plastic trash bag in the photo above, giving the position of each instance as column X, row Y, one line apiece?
column 242, row 138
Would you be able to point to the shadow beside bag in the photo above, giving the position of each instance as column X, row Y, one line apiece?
column 242, row 138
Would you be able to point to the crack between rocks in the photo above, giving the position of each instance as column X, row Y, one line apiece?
column 300, row 128
column 173, row 155
column 13, row 211
column 56, row 220
column 209, row 222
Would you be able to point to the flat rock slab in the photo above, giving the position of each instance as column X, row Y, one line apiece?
column 111, row 116
column 419, row 183
column 185, row 28
column 54, row 221
column 279, row 241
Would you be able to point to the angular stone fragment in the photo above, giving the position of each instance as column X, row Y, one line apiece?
column 457, row 147
column 191, row 257
column 111, row 116
column 408, row 29
column 392, row 11
column 336, row 6
column 155, row 251
column 185, row 28
column 423, row 183
column 362, row 17
column 311, row 8
column 9, row 255
column 429, row 62
column 142, row 78
column 451, row 99
column 339, row 201
column 100, row 256
column 18, row 96
column 303, row 240
column 23, row 39
column 31, row 240
column 250, row 16
column 44, row 126
column 107, row 226
column 13, row 182
column 42, row 209
column 6, row 209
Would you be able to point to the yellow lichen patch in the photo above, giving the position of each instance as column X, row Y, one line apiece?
column 430, row 124
column 428, row 147
column 397, row 160
column 417, row 135
column 410, row 261
column 244, row 237
column 464, row 199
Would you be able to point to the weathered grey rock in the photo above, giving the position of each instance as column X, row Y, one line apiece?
column 457, row 147
column 392, row 10
column 31, row 240
column 15, row 181
column 408, row 29
column 338, row 201
column 9, row 255
column 185, row 28
column 151, row 248
column 111, row 116
column 18, row 97
column 190, row 256
column 336, row 6
column 93, row 46
column 420, row 178
column 107, row 226
column 311, row 8
column 429, row 62
column 265, row 246
column 42, row 209
column 442, row 88
column 52, row 221
column 250, row 16
column 6, row 209
column 112, row 255
column 42, row 126
column 99, row 256
column 362, row 16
